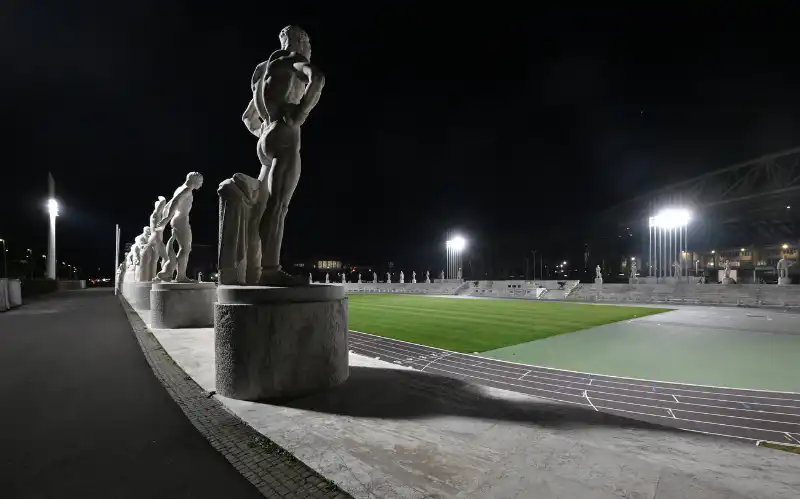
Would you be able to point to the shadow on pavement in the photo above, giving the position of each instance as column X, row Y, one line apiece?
column 403, row 394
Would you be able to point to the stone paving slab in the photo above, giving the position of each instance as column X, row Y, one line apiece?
column 273, row 470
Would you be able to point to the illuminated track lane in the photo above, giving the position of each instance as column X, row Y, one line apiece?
column 738, row 413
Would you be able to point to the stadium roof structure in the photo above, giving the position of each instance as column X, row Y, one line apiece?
column 756, row 202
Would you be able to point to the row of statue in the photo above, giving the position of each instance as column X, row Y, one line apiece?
column 402, row 280
column 148, row 252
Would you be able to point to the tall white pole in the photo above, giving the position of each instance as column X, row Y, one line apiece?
column 650, row 248
column 51, row 240
column 116, row 260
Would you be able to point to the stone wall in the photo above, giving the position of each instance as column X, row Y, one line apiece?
column 747, row 295
column 419, row 288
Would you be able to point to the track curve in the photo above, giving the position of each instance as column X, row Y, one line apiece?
column 731, row 412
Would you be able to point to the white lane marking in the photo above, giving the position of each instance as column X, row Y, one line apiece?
column 791, row 438
column 530, row 379
column 524, row 375
column 590, row 402
column 671, row 413
column 676, row 399
column 435, row 359
column 559, row 392
column 582, row 372
column 590, row 381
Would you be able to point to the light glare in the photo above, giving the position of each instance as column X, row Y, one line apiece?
column 671, row 218
column 458, row 243
column 52, row 207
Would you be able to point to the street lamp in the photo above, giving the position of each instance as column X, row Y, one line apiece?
column 5, row 258
column 454, row 248
column 52, row 209
column 668, row 240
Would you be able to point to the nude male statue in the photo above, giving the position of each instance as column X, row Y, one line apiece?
column 285, row 88
column 157, row 234
column 176, row 213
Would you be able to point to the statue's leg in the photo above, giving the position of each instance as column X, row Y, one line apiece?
column 168, row 267
column 285, row 176
column 184, row 236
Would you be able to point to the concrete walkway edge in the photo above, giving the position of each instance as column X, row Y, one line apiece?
column 272, row 469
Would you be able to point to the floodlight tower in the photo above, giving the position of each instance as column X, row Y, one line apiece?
column 669, row 240
column 52, row 210
column 455, row 247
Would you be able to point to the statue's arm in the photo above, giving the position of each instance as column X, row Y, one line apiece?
column 313, row 91
column 251, row 119
column 172, row 206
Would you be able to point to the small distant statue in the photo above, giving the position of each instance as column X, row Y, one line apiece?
column 458, row 274
column 137, row 248
column 441, row 275
column 327, row 278
column 388, row 277
column 176, row 213
column 402, row 277
column 374, row 277
column 359, row 277
column 310, row 279
column 598, row 272
column 413, row 277
column 727, row 269
column 344, row 278
column 633, row 269
column 428, row 276
column 783, row 268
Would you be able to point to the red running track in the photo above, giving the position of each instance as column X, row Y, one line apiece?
column 730, row 412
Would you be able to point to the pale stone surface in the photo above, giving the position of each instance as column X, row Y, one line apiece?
column 784, row 281
column 598, row 273
column 137, row 294
column 279, row 343
column 176, row 214
column 393, row 433
column 402, row 277
column 783, row 268
column 182, row 304
column 239, row 252
column 14, row 288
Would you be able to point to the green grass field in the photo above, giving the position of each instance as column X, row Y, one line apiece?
column 477, row 325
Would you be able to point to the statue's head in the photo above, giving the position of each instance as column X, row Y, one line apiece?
column 194, row 180
column 146, row 231
column 160, row 202
column 294, row 39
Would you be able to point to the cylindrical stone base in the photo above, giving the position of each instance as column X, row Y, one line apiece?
column 182, row 304
column 784, row 281
column 137, row 294
column 279, row 343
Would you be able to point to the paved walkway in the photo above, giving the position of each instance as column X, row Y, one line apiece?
column 84, row 416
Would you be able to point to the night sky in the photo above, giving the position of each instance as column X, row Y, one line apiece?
column 507, row 126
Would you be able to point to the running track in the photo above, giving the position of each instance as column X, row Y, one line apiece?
column 744, row 414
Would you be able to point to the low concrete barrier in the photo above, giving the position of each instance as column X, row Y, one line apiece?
column 10, row 294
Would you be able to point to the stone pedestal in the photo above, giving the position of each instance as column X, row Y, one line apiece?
column 275, row 343
column 784, row 281
column 727, row 280
column 598, row 281
column 182, row 304
column 137, row 294
column 633, row 280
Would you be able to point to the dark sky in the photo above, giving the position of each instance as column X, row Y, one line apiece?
column 497, row 124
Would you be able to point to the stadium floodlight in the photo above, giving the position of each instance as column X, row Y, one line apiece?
column 52, row 207
column 455, row 246
column 458, row 243
column 671, row 219
column 668, row 242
